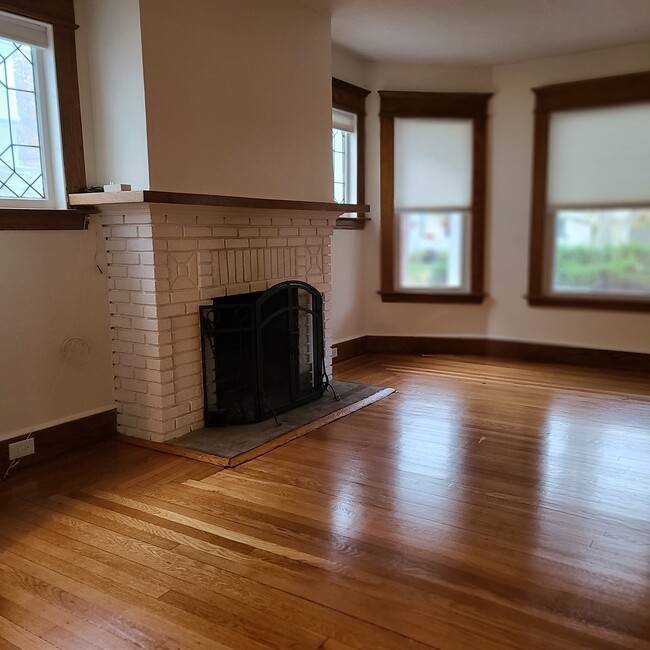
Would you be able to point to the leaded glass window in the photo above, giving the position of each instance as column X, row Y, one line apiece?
column 21, row 160
column 344, row 156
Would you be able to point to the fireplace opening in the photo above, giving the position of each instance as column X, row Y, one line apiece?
column 263, row 353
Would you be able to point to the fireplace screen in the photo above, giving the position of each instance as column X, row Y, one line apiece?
column 263, row 353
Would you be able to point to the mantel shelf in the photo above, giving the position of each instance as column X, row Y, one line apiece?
column 178, row 198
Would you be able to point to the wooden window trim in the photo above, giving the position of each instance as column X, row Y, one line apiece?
column 60, row 15
column 590, row 93
column 351, row 98
column 433, row 105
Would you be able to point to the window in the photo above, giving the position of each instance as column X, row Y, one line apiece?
column 344, row 154
column 590, row 235
column 348, row 149
column 433, row 158
column 26, row 161
column 41, row 147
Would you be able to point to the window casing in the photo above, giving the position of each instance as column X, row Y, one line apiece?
column 348, row 149
column 64, row 118
column 433, row 160
column 31, row 167
column 590, row 230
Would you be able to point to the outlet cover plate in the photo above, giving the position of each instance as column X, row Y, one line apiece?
column 20, row 449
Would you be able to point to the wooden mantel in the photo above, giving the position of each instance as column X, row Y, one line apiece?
column 180, row 198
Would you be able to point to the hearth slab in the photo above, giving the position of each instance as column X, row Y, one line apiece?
column 233, row 445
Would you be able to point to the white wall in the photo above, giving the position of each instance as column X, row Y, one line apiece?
column 238, row 97
column 111, row 85
column 50, row 290
column 512, row 149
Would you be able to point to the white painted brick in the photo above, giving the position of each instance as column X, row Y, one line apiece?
column 145, row 231
column 182, row 244
column 161, row 389
column 237, row 243
column 130, row 310
column 233, row 220
column 171, row 310
column 191, row 392
column 281, row 221
column 211, row 244
column 119, row 296
column 112, row 219
column 133, row 336
column 134, row 385
column 132, row 360
column 307, row 231
column 276, row 241
column 144, row 324
column 116, row 244
column 209, row 220
column 197, row 231
column 184, row 333
column 142, row 298
column 159, row 364
column 233, row 289
column 155, row 401
column 147, row 257
column 224, row 231
column 124, row 231
column 269, row 232
column 248, row 232
column 180, row 219
column 186, row 370
column 288, row 232
column 157, row 338
column 126, row 284
column 117, row 271
column 142, row 271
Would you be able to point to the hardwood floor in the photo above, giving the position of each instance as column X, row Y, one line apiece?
column 484, row 506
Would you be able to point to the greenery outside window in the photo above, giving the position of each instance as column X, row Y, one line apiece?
column 590, row 235
column 433, row 163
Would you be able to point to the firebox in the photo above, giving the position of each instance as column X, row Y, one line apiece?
column 263, row 353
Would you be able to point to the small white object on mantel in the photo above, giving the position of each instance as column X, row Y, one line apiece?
column 117, row 187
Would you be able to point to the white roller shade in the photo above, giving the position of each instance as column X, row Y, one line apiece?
column 600, row 156
column 22, row 30
column 343, row 120
column 433, row 163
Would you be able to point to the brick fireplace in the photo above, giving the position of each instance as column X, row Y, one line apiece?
column 167, row 256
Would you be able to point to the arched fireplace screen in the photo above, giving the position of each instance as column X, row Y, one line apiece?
column 263, row 353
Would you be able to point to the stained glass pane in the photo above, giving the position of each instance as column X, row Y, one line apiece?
column 340, row 154
column 21, row 165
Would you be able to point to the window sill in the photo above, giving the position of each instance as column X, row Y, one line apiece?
column 351, row 223
column 22, row 219
column 580, row 302
column 458, row 298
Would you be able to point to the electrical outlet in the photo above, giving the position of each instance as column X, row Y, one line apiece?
column 22, row 448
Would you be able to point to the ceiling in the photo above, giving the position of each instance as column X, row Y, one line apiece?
column 484, row 32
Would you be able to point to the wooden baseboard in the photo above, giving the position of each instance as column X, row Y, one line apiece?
column 351, row 348
column 64, row 437
column 517, row 350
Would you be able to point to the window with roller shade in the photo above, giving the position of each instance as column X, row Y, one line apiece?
column 433, row 196
column 590, row 240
